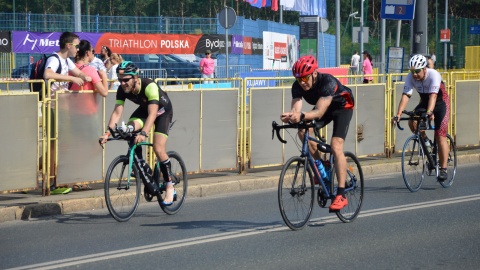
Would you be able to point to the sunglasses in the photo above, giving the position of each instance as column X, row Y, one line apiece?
column 93, row 51
column 416, row 71
column 124, row 80
column 304, row 78
column 76, row 45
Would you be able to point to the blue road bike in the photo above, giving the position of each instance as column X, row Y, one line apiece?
column 301, row 177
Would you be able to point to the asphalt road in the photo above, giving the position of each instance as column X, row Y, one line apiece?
column 434, row 228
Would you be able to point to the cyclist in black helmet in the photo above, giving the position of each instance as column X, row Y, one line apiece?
column 154, row 108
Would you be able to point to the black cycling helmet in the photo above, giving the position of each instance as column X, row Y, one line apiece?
column 127, row 68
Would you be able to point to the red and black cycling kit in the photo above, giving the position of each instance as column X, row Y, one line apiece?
column 341, row 108
column 150, row 93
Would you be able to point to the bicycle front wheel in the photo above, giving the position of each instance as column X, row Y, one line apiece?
column 296, row 193
column 180, row 181
column 451, row 162
column 413, row 164
column 121, row 195
column 353, row 188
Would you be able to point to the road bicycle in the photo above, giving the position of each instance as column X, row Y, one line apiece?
column 126, row 173
column 300, row 174
column 419, row 160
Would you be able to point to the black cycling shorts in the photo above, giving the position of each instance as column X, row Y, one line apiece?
column 341, row 121
column 442, row 117
column 162, row 122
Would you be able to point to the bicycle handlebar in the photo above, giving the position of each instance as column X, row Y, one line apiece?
column 415, row 116
column 300, row 125
column 120, row 134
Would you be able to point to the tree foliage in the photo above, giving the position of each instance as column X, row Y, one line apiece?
column 209, row 8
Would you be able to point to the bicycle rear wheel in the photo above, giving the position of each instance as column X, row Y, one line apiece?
column 180, row 181
column 122, row 196
column 413, row 164
column 353, row 188
column 451, row 163
column 296, row 193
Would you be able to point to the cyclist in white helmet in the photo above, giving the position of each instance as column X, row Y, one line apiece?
column 434, row 99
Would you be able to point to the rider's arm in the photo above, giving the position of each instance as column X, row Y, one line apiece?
column 115, row 117
column 296, row 105
column 431, row 103
column 436, row 81
column 294, row 114
column 320, row 108
column 407, row 93
column 402, row 105
column 116, row 114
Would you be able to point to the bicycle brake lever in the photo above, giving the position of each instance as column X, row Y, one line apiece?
column 100, row 142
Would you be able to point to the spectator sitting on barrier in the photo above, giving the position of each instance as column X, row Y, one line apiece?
column 115, row 59
column 85, row 55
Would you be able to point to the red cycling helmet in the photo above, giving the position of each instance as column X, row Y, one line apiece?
column 304, row 66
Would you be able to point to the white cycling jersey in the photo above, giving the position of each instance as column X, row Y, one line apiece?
column 431, row 84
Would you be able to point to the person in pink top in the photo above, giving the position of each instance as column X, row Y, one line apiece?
column 207, row 67
column 85, row 55
column 367, row 67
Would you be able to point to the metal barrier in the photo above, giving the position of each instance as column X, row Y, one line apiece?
column 233, row 70
column 154, row 73
column 223, row 125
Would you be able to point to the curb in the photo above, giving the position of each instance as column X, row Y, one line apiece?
column 69, row 206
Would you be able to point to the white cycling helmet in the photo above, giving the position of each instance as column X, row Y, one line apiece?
column 418, row 61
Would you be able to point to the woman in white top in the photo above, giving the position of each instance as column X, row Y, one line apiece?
column 115, row 59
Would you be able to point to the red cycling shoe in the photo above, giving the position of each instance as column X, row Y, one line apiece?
column 339, row 203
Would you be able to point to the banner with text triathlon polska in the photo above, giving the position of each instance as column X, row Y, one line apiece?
column 48, row 42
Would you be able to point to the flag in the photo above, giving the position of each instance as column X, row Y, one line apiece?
column 307, row 7
column 268, row 3
column 275, row 5
column 287, row 4
column 255, row 3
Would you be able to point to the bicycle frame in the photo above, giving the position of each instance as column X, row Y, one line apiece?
column 421, row 121
column 305, row 153
column 133, row 158
column 311, row 161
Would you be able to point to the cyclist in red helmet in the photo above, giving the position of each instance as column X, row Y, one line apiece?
column 332, row 102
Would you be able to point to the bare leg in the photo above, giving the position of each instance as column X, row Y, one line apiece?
column 442, row 150
column 340, row 161
column 159, row 146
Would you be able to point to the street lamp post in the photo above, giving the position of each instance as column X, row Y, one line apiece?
column 361, row 31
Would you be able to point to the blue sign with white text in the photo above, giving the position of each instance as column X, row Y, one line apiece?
column 398, row 9
column 474, row 29
column 259, row 83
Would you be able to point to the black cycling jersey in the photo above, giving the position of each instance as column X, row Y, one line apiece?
column 150, row 93
column 326, row 85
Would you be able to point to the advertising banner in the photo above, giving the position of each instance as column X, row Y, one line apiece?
column 47, row 43
column 5, row 42
column 280, row 50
